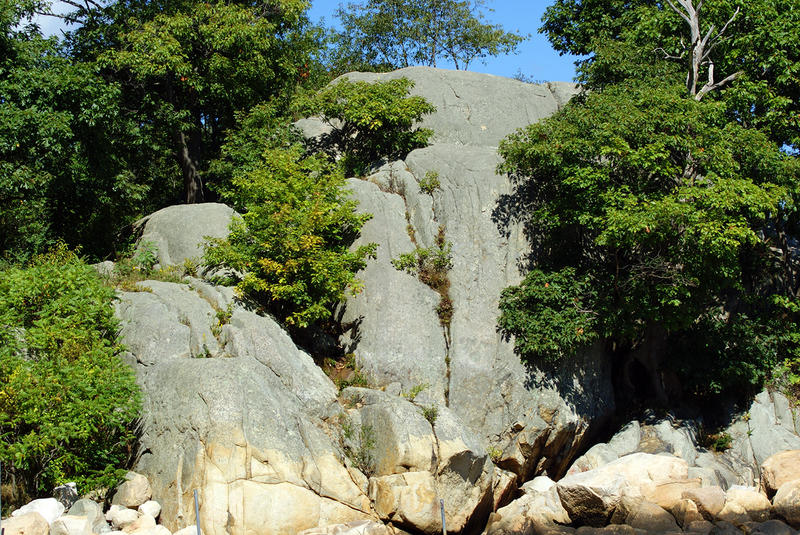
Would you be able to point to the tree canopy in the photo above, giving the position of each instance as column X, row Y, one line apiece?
column 660, row 202
column 391, row 34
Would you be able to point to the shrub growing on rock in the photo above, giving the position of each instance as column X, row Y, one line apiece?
column 291, row 244
column 370, row 121
column 66, row 398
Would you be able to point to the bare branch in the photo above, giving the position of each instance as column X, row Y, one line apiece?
column 730, row 20
column 678, row 11
column 707, row 88
column 668, row 55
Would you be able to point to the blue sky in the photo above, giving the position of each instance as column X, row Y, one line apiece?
column 535, row 59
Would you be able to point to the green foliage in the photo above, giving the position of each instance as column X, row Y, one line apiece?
column 646, row 208
column 550, row 314
column 412, row 394
column 187, row 68
column 67, row 401
column 430, row 266
column 371, row 121
column 395, row 33
column 72, row 165
column 430, row 183
column 430, row 413
column 291, row 245
column 359, row 445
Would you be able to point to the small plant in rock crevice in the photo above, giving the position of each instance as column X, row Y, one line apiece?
column 430, row 413
column 430, row 183
column 412, row 394
column 431, row 265
column 345, row 372
column 358, row 443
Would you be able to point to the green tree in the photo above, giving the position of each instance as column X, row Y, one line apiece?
column 370, row 121
column 189, row 67
column 292, row 243
column 650, row 214
column 73, row 166
column 396, row 33
column 67, row 401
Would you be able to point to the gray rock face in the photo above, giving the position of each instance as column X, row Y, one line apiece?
column 535, row 419
column 179, row 231
column 246, row 428
column 478, row 109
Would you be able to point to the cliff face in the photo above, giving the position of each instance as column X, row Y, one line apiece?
column 233, row 408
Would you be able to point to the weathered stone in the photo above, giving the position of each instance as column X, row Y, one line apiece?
column 49, row 508
column 779, row 469
column 178, row 232
column 668, row 494
column 591, row 497
column 71, row 525
column 686, row 513
column 503, row 488
column 724, row 528
column 478, row 109
column 406, row 442
column 408, row 500
column 650, row 517
column 143, row 523
column 133, row 492
column 734, row 513
column 120, row 516
column 538, row 509
column 756, row 504
column 32, row 523
column 772, row 527
column 358, row 527
column 767, row 435
column 709, row 501
column 624, row 442
column 93, row 511
column 67, row 494
column 189, row 530
column 701, row 527
column 682, row 440
column 150, row 507
column 787, row 502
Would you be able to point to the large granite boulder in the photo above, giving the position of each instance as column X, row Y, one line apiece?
column 419, row 456
column 246, row 427
column 534, row 419
column 178, row 232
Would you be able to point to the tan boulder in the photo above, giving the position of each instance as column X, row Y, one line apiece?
column 538, row 509
column 699, row 527
column 734, row 513
column 407, row 500
column 143, row 523
column 650, row 517
column 757, row 505
column 787, row 502
column 667, row 495
column 71, row 525
column 686, row 513
column 358, row 527
column 709, row 501
column 772, row 527
column 26, row 524
column 779, row 469
column 591, row 497
column 133, row 492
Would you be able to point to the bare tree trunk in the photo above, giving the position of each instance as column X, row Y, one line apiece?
column 192, row 183
column 700, row 48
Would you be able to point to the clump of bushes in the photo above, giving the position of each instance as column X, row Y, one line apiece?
column 431, row 266
column 370, row 121
column 67, row 401
column 291, row 247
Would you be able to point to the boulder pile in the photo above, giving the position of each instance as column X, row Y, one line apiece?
column 644, row 493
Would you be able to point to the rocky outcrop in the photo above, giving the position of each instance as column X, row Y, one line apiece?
column 177, row 233
column 533, row 419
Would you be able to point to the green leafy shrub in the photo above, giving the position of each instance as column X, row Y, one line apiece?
column 358, row 443
column 370, row 121
column 430, row 183
column 430, row 266
column 547, row 314
column 291, row 245
column 67, row 401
